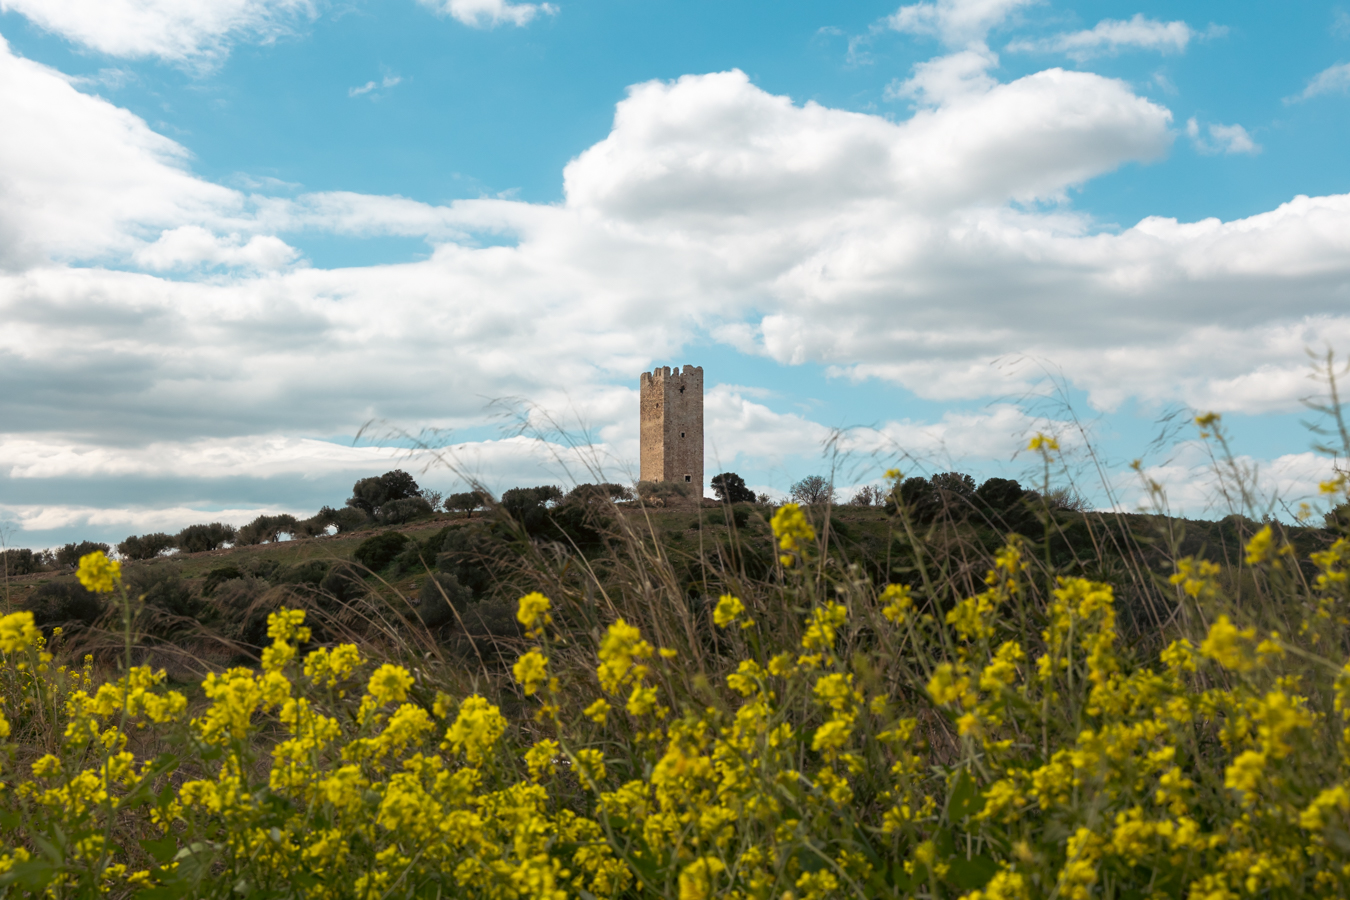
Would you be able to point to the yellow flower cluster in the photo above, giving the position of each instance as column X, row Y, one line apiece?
column 1064, row 766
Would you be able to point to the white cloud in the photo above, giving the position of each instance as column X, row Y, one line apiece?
column 489, row 13
column 882, row 249
column 193, row 31
column 1332, row 80
column 387, row 82
column 83, row 177
column 1114, row 35
column 955, row 22
column 1191, row 484
column 191, row 246
column 948, row 78
column 1221, row 138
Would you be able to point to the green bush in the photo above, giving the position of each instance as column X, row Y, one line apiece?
column 19, row 562
column 65, row 603
column 146, row 546
column 71, row 554
column 439, row 597
column 265, row 529
column 730, row 488
column 378, row 551
column 201, row 538
column 396, row 512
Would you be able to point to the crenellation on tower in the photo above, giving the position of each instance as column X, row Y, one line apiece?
column 672, row 425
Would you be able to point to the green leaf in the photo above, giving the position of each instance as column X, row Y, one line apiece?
column 162, row 850
column 966, row 799
column 971, row 874
column 33, row 874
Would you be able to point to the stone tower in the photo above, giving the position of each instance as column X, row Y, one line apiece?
column 672, row 426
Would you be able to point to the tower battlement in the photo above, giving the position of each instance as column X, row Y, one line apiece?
column 672, row 426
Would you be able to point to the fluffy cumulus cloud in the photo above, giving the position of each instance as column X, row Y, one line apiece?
column 151, row 310
column 489, row 13
column 180, row 31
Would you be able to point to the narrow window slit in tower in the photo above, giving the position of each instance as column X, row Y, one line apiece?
column 687, row 478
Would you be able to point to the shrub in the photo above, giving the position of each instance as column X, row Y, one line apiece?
column 465, row 502
column 344, row 520
column 266, row 529
column 529, row 506
column 730, row 488
column 605, row 492
column 65, row 603
column 19, row 562
column 468, row 553
column 868, row 495
column 396, row 512
column 311, row 573
column 170, row 607
column 218, row 576
column 378, row 551
column 812, row 490
column 146, row 546
column 369, row 494
column 201, row 538
column 71, row 554
column 344, row 584
column 664, row 493
column 243, row 605
column 439, row 597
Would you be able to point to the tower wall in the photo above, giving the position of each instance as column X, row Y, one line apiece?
column 672, row 426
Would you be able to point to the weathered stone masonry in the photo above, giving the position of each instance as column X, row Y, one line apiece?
column 672, row 426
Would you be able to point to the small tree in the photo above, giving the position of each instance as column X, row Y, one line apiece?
column 811, row 490
column 266, row 529
column 70, row 554
column 730, row 488
column 200, row 538
column 868, row 495
column 369, row 494
column 466, row 503
column 147, row 546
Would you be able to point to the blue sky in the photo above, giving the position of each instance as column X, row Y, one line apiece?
column 234, row 231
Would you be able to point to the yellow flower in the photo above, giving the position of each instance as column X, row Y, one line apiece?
column 621, row 647
column 1260, row 546
column 542, row 758
column 823, row 626
column 792, row 531
column 17, row 632
column 1043, row 443
column 898, row 602
column 1246, row 772
column 98, row 573
column 642, row 701
column 389, row 684
column 531, row 670
column 288, row 625
column 728, row 608
column 598, row 711
column 532, row 612
column 698, row 880
column 1228, row 646
column 476, row 729
column 591, row 766
column 945, row 687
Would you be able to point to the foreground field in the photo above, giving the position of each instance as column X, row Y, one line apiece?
column 690, row 717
